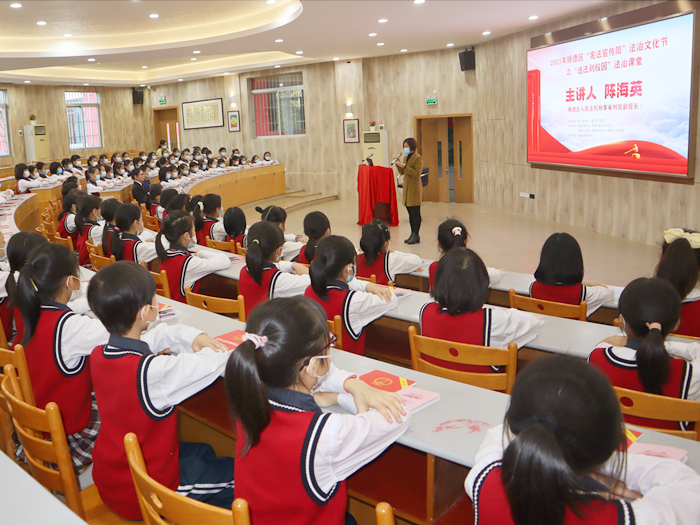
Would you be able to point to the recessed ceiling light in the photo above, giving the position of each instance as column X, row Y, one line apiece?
column 193, row 59
column 67, row 35
column 404, row 50
column 27, row 81
column 533, row 17
column 380, row 43
column 15, row 6
column 373, row 34
column 486, row 33
column 142, row 85
column 336, row 58
column 279, row 40
column 86, row 84
column 144, row 67
column 154, row 15
column 226, row 73
column 277, row 66
column 180, row 79
column 41, row 23
column 300, row 52
column 91, row 59
column 270, row 2
column 196, row 52
column 450, row 45
column 418, row 1
column 382, row 20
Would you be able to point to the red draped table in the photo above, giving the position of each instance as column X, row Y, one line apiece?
column 375, row 184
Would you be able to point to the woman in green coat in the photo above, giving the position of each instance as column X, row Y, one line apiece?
column 411, row 168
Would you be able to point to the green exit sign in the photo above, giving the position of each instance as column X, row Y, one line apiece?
column 431, row 101
column 162, row 99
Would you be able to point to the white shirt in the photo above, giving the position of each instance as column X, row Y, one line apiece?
column 671, row 489
column 365, row 307
column 494, row 275
column 688, row 351
column 218, row 232
column 70, row 223
column 92, row 188
column 400, row 262
column 289, row 284
column 25, row 184
column 145, row 251
column 172, row 183
column 160, row 212
column 96, row 233
column 291, row 248
column 596, row 296
column 203, row 263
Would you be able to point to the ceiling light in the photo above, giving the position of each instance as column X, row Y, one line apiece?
column 142, row 85
column 277, row 66
column 86, row 84
column 336, row 58
column 144, row 67
column 226, row 73
column 373, row 34
column 196, row 52
column 91, row 59
column 67, row 35
column 180, row 79
column 41, row 23
column 193, row 59
column 300, row 52
column 382, row 20
column 27, row 81
column 486, row 33
column 404, row 50
column 15, row 6
column 604, row 18
column 418, row 1
column 380, row 43
column 279, row 40
column 450, row 45
column 533, row 17
column 270, row 2
column 154, row 15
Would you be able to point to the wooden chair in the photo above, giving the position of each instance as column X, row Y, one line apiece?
column 539, row 306
column 50, row 227
column 224, row 246
column 652, row 406
column 57, row 206
column 336, row 327
column 240, row 250
column 161, row 280
column 7, row 445
column 67, row 242
column 94, row 249
column 464, row 354
column 20, row 364
column 162, row 506
column 32, row 424
column 144, row 210
column 151, row 223
column 216, row 305
column 98, row 262
column 385, row 514
column 3, row 338
column 371, row 279
column 41, row 230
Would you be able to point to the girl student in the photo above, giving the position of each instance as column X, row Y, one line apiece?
column 167, row 175
column 87, row 220
column 194, row 167
column 180, row 202
column 559, row 276
column 155, row 195
column 377, row 257
column 267, row 156
column 560, row 459
column 24, row 181
column 55, row 168
column 165, row 199
column 453, row 234
column 124, row 242
column 182, row 266
column 458, row 313
column 275, row 421
column 679, row 266
column 108, row 210
column 334, row 287
column 292, row 243
column 183, row 170
column 92, row 185
column 77, row 164
column 642, row 359
column 265, row 275
column 206, row 217
column 92, row 161
column 316, row 227
column 235, row 226
column 66, row 219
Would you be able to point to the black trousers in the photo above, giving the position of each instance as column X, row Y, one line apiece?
column 414, row 218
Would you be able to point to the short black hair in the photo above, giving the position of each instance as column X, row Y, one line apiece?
column 561, row 261
column 116, row 296
column 412, row 144
column 461, row 282
column 65, row 189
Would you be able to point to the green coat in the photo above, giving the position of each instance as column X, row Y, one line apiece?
column 412, row 187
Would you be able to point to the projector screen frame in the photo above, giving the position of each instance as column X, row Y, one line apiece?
column 613, row 23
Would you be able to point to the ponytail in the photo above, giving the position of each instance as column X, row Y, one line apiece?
column 197, row 208
column 273, row 214
column 86, row 203
column 18, row 249
column 127, row 214
column 333, row 254
column 316, row 224
column 653, row 362
column 109, row 209
column 374, row 235
column 264, row 238
column 452, row 234
column 175, row 225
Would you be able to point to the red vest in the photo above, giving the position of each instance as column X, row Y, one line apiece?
column 205, row 231
column 105, row 240
column 302, row 257
column 238, row 239
column 690, row 319
column 154, row 206
column 623, row 373
column 472, row 328
column 380, row 268
column 6, row 316
column 338, row 303
column 255, row 293
column 288, row 492
column 120, row 369
column 570, row 294
column 175, row 267
column 52, row 380
column 83, row 254
column 29, row 190
column 491, row 504
column 131, row 242
column 63, row 231
column 431, row 271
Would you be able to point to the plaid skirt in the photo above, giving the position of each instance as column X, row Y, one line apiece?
column 80, row 444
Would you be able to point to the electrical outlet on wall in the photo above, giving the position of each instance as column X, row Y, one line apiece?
column 21, row 132
column 526, row 195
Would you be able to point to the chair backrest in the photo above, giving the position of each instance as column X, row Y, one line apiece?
column 67, row 242
column 224, row 246
column 240, row 250
column 95, row 249
column 371, row 279
column 464, row 354
column 3, row 338
column 336, row 327
column 32, row 424
column 25, row 382
column 7, row 445
column 99, row 262
column 144, row 209
column 385, row 514
column 49, row 226
column 41, row 230
column 161, row 280
column 158, row 503
column 540, row 306
column 652, row 406
column 151, row 223
column 217, row 305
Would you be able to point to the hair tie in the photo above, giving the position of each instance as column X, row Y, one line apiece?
column 258, row 340
column 456, row 231
column 201, row 205
column 542, row 416
column 34, row 285
column 255, row 240
column 654, row 326
column 116, row 229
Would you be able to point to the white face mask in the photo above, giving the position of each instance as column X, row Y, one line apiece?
column 321, row 379
column 93, row 163
column 243, row 163
column 119, row 159
column 144, row 157
column 74, row 294
column 70, row 166
column 210, row 156
column 222, row 153
column 166, row 155
column 195, row 170
column 152, row 164
column 267, row 158
column 145, row 318
column 78, row 163
column 26, row 173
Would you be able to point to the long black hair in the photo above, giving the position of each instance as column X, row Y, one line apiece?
column 264, row 238
column 19, row 170
column 42, row 276
column 679, row 266
column 108, row 210
column 235, row 222
column 316, row 224
column 374, row 235
column 452, row 234
column 696, row 251
column 179, row 202
column 86, row 204
column 70, row 200
column 645, row 301
column 18, row 249
column 210, row 203
column 566, row 422
column 167, row 196
column 461, row 282
column 127, row 214
column 273, row 214
column 175, row 225
column 276, row 364
column 561, row 261
column 332, row 255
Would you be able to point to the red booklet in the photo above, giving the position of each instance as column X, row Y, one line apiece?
column 386, row 381
column 632, row 436
column 231, row 339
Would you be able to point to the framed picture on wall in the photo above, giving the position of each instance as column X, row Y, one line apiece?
column 203, row 114
column 351, row 130
column 234, row 120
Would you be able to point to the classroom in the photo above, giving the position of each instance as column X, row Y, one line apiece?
column 349, row 262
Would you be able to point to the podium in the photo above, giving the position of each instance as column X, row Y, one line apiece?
column 376, row 191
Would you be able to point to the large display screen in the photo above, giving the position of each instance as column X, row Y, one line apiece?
column 615, row 101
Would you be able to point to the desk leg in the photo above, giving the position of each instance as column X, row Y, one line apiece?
column 445, row 486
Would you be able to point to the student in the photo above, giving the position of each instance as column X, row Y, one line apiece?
column 67, row 165
column 55, row 168
column 67, row 187
column 236, row 153
column 558, row 460
column 334, row 287
column 167, row 177
column 162, row 145
column 66, row 220
column 184, row 268
column 641, row 360
column 255, row 159
column 92, row 185
column 559, row 277
column 77, row 164
column 180, row 202
column 194, row 167
column 235, row 225
column 108, row 210
column 234, row 162
column 108, row 174
column 128, row 166
column 277, row 216
column 155, row 194
column 34, row 174
column 679, row 266
column 281, row 426
column 6, row 311
column 87, row 219
column 267, row 156
column 206, row 217
column 243, row 160
column 377, row 257
column 103, row 159
column 458, row 313
column 316, row 227
column 165, row 199
column 42, row 170
column 24, row 182
column 92, row 161
column 118, row 170
column 138, row 162
column 265, row 275
column 221, row 163
column 124, row 242
column 222, row 154
column 116, row 157
column 138, row 190
column 453, row 234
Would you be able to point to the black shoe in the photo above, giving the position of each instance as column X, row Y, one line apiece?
column 407, row 241
column 414, row 239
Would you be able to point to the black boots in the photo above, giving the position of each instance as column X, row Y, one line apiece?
column 413, row 239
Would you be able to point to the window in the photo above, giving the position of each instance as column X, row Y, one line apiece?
column 83, row 110
column 278, row 105
column 4, row 133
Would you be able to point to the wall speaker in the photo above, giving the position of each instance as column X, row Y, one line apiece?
column 137, row 95
column 467, row 59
